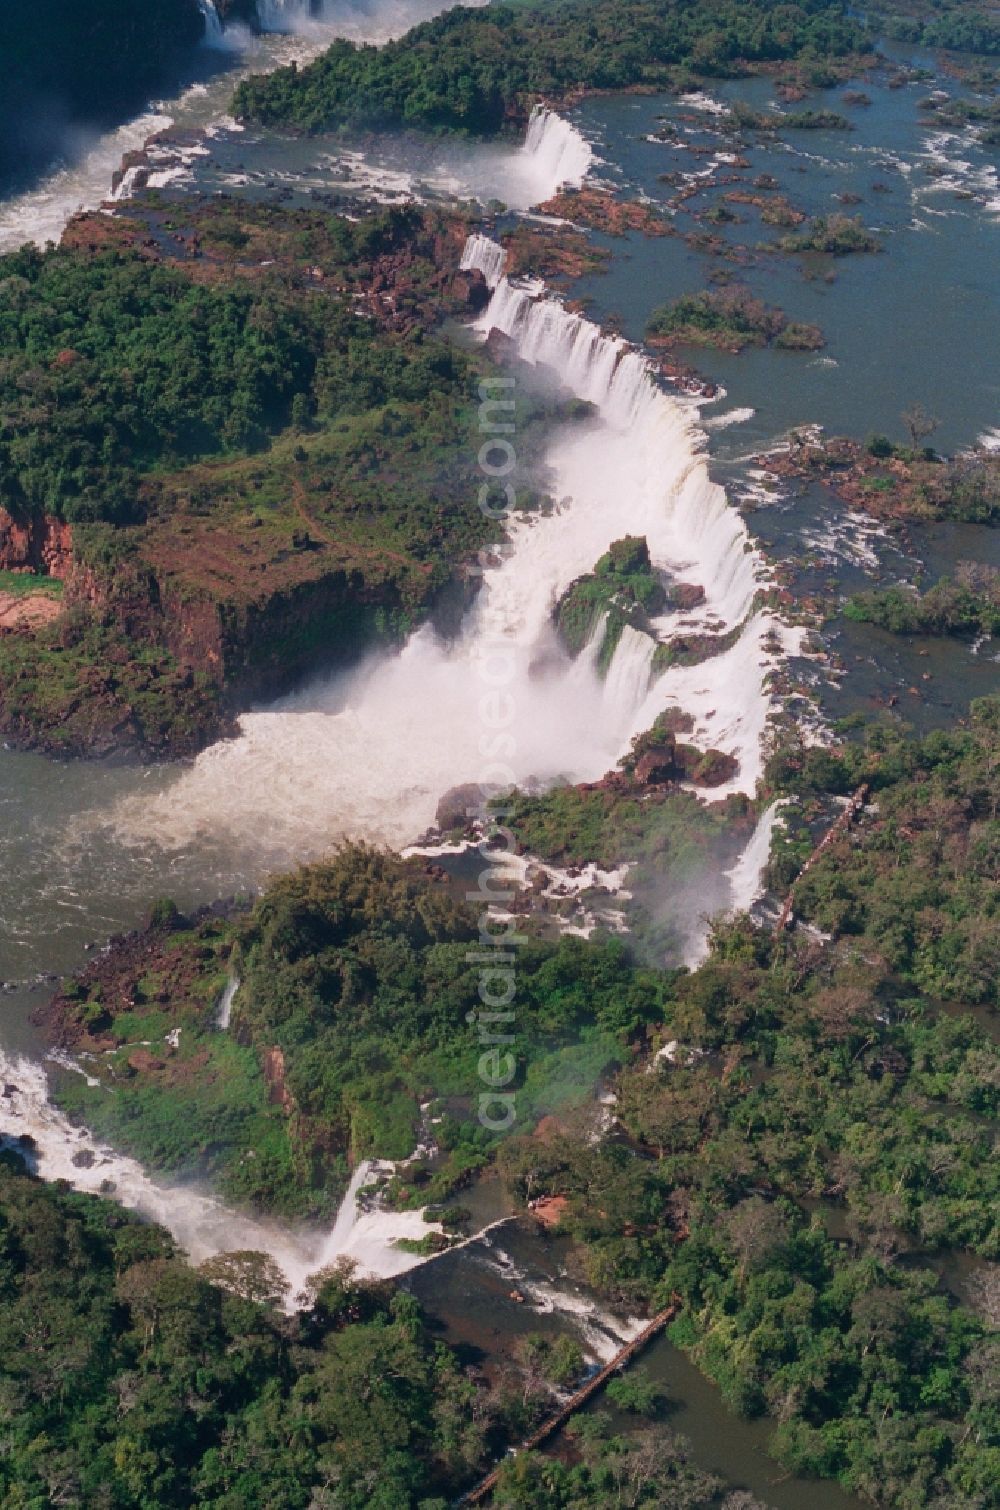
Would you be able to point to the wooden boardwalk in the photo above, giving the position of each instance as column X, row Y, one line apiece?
column 484, row 1489
column 843, row 822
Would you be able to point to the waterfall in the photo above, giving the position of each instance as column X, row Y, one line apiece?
column 370, row 752
column 746, row 876
column 351, row 18
column 200, row 1223
column 627, row 681
column 225, row 1009
column 283, row 15
column 556, row 151
column 214, row 30
column 484, row 255
column 691, row 519
column 366, row 1232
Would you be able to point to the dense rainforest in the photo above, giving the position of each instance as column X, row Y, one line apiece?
column 476, row 71
column 119, row 363
column 355, row 974
column 807, row 1171
column 235, row 454
column 130, row 1379
column 248, row 408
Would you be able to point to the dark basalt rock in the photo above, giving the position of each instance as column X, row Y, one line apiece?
column 657, row 766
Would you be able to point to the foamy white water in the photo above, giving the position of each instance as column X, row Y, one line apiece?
column 42, row 212
column 84, row 181
column 370, row 753
column 200, row 1223
column 602, row 1332
column 746, row 878
column 729, row 418
column 214, row 30
column 556, row 152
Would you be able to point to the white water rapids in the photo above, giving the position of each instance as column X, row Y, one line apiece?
column 293, row 32
column 370, row 753
column 201, row 1224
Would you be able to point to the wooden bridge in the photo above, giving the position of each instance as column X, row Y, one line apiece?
column 483, row 1490
column 843, row 822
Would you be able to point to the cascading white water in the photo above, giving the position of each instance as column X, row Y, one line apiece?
column 224, row 1013
column 369, row 754
column 83, row 180
column 746, row 876
column 554, row 154
column 350, row 18
column 627, row 681
column 558, row 152
column 283, row 15
column 649, row 456
column 201, row 1224
column 485, row 256
column 214, row 30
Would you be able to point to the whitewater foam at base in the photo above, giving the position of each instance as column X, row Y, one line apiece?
column 200, row 1223
column 369, row 754
column 83, row 182
column 557, row 151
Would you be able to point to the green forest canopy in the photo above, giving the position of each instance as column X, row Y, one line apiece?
column 475, row 71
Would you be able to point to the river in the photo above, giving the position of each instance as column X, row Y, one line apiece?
column 84, row 849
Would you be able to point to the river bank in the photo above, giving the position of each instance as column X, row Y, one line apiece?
column 836, row 1024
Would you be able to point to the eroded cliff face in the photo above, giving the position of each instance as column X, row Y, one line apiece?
column 249, row 647
column 41, row 544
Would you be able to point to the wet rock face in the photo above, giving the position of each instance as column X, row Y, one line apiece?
column 706, row 767
column 686, row 595
column 273, row 1066
column 478, row 291
column 668, row 762
column 657, row 766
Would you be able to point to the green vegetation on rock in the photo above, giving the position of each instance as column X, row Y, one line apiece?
column 961, row 25
column 817, row 1153
column 116, row 365
column 352, row 1010
column 623, row 589
column 477, row 71
column 834, row 235
column 258, row 464
column 730, row 318
column 130, row 1379
column 967, row 605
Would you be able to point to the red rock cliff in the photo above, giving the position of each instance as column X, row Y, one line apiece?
column 37, row 545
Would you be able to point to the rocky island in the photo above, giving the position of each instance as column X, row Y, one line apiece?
column 510, row 1016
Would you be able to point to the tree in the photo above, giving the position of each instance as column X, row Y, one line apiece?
column 251, row 1276
column 637, row 1392
column 754, row 1229
column 919, row 423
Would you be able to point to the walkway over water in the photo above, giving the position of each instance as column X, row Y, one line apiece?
column 554, row 1423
